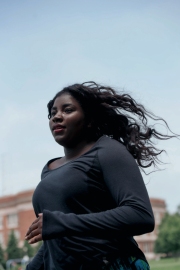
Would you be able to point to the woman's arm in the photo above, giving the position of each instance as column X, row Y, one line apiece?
column 133, row 214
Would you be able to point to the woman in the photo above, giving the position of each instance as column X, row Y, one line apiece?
column 91, row 202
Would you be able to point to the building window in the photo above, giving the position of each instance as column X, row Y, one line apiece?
column 157, row 218
column 12, row 220
column 17, row 234
column 1, row 239
column 146, row 247
column 1, row 222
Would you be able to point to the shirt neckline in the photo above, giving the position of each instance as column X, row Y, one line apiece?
column 51, row 160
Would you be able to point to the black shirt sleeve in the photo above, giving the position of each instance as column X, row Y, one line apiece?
column 133, row 214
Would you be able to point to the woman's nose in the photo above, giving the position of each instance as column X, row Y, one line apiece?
column 58, row 117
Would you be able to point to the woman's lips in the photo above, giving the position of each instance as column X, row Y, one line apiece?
column 58, row 128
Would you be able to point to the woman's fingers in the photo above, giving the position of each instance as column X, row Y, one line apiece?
column 34, row 233
column 34, row 226
column 31, row 228
column 35, row 239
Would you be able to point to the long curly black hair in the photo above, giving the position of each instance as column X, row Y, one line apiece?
column 120, row 117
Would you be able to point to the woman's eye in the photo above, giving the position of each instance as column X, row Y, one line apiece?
column 53, row 114
column 68, row 110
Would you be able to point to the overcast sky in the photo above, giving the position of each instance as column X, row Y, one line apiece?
column 46, row 45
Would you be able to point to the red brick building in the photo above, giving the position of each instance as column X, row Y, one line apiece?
column 16, row 213
column 146, row 241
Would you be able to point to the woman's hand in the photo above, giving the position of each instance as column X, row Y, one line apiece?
column 34, row 234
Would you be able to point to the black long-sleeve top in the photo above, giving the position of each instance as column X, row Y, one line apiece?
column 92, row 207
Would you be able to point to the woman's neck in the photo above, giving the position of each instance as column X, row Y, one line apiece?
column 78, row 150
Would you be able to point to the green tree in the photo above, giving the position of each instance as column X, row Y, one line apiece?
column 37, row 247
column 13, row 251
column 28, row 249
column 168, row 240
column 178, row 210
column 2, row 260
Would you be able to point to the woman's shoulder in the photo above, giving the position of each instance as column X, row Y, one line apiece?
column 108, row 142
column 111, row 149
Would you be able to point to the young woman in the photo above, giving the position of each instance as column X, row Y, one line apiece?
column 92, row 201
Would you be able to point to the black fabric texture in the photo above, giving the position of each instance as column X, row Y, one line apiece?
column 92, row 207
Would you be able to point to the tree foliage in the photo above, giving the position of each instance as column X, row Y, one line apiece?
column 2, row 259
column 28, row 249
column 13, row 251
column 37, row 247
column 168, row 240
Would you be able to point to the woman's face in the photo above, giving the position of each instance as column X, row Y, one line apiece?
column 67, row 122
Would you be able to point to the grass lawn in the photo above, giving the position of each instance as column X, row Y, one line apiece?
column 165, row 264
